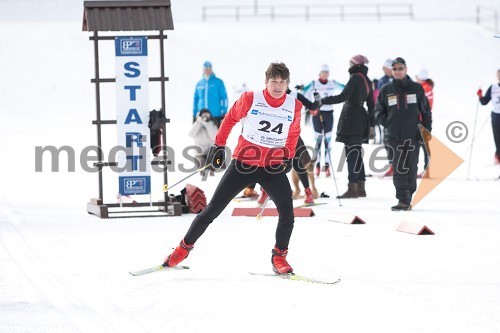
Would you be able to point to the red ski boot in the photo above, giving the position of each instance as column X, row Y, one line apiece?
column 309, row 196
column 280, row 265
column 263, row 197
column 179, row 254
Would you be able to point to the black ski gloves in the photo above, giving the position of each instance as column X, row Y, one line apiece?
column 317, row 99
column 216, row 156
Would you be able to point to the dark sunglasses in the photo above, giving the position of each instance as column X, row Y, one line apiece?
column 398, row 68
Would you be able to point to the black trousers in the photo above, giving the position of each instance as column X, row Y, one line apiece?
column 404, row 163
column 323, row 124
column 354, row 157
column 495, row 124
column 238, row 176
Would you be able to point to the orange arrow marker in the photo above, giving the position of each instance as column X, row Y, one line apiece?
column 442, row 162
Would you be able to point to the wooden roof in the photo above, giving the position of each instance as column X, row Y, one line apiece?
column 127, row 15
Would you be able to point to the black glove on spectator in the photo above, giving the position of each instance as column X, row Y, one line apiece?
column 216, row 156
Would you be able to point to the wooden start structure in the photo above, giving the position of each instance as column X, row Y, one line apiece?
column 153, row 17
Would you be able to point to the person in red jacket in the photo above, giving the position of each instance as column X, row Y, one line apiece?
column 422, row 77
column 266, row 146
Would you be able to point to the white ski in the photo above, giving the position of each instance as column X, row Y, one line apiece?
column 157, row 269
column 295, row 277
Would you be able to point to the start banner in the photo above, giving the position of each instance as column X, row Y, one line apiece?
column 132, row 109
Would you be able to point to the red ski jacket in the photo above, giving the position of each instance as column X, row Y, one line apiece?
column 245, row 151
column 428, row 92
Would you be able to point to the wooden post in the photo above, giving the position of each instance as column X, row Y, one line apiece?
column 163, row 108
column 98, row 111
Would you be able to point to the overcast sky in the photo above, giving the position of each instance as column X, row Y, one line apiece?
column 183, row 10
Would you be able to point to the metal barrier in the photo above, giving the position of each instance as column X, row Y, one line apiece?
column 488, row 18
column 308, row 12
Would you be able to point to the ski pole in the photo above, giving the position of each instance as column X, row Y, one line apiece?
column 166, row 187
column 335, row 180
column 336, row 188
column 478, row 133
column 259, row 216
column 473, row 137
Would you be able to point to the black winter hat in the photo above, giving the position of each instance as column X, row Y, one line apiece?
column 398, row 60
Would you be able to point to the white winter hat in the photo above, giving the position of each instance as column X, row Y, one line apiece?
column 423, row 74
column 325, row 68
column 388, row 63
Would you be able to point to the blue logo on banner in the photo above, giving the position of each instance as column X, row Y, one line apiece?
column 135, row 185
column 255, row 112
column 289, row 118
column 131, row 46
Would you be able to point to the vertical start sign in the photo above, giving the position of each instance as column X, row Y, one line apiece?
column 132, row 108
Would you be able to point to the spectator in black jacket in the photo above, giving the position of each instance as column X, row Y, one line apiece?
column 355, row 125
column 399, row 106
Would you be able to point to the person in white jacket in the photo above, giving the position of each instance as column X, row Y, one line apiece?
column 203, row 132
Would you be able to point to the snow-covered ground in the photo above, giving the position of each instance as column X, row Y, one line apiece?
column 62, row 270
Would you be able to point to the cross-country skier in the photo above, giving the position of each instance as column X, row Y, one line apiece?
column 323, row 120
column 271, row 128
column 302, row 158
column 493, row 95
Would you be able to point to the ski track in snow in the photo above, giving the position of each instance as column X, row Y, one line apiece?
column 62, row 270
column 66, row 292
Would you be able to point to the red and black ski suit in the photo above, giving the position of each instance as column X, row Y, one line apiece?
column 251, row 164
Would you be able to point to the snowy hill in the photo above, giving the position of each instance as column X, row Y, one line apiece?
column 62, row 270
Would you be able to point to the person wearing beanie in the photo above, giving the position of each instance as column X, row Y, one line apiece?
column 399, row 105
column 387, row 69
column 493, row 95
column 323, row 120
column 422, row 77
column 356, row 125
column 210, row 93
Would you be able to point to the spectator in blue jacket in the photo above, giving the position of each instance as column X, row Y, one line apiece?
column 210, row 94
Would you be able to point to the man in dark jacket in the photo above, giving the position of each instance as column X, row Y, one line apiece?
column 355, row 124
column 400, row 104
